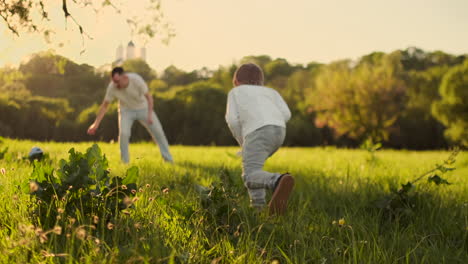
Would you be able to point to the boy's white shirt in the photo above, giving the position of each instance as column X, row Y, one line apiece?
column 250, row 107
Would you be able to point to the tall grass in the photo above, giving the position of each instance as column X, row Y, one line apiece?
column 197, row 210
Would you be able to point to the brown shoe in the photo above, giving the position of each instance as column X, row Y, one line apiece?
column 279, row 199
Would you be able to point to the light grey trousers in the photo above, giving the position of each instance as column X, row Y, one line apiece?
column 126, row 119
column 258, row 146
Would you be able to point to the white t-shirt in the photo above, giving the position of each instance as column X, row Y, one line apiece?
column 251, row 107
column 133, row 96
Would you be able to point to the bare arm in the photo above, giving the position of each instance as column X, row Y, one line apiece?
column 102, row 111
column 149, row 98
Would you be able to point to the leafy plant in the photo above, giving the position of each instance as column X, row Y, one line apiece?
column 371, row 149
column 220, row 203
column 2, row 151
column 400, row 200
column 81, row 188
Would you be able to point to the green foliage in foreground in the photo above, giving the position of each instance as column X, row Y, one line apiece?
column 196, row 211
column 80, row 189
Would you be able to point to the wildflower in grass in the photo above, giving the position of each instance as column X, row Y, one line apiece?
column 26, row 229
column 137, row 225
column 147, row 185
column 70, row 187
column 150, row 199
column 275, row 261
column 334, row 222
column 60, row 210
column 140, row 190
column 165, row 190
column 47, row 254
column 43, row 238
column 57, row 230
column 134, row 191
column 3, row 171
column 125, row 212
column 110, row 226
column 97, row 241
column 81, row 233
column 124, row 187
column 341, row 222
column 95, row 219
column 135, row 199
column 38, row 231
column 33, row 186
column 127, row 201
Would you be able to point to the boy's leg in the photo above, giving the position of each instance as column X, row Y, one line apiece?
column 157, row 133
column 125, row 129
column 258, row 146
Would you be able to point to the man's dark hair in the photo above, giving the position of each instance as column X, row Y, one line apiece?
column 117, row 70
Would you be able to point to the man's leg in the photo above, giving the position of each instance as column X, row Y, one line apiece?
column 258, row 146
column 157, row 133
column 125, row 129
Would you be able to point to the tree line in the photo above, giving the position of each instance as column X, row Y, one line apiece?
column 409, row 99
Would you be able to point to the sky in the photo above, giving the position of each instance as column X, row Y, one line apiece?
column 210, row 33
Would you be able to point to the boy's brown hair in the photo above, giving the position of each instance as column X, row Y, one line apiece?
column 248, row 73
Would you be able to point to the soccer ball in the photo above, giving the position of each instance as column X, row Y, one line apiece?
column 36, row 154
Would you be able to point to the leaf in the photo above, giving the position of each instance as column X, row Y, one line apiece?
column 131, row 175
column 405, row 188
column 3, row 152
column 437, row 180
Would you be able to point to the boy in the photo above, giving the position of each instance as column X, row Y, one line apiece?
column 257, row 116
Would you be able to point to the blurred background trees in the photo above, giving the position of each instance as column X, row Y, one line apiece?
column 405, row 99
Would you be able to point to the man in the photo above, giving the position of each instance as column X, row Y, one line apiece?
column 135, row 103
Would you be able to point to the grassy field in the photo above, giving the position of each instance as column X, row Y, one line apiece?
column 333, row 217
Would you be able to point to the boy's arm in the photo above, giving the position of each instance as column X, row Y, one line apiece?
column 283, row 107
column 232, row 119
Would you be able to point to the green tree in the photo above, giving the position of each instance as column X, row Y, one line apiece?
column 141, row 67
column 29, row 16
column 362, row 101
column 223, row 76
column 174, row 76
column 452, row 108
column 51, row 75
